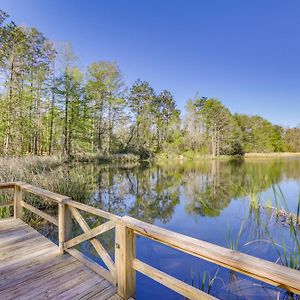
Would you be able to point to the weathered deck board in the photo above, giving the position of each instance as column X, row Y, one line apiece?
column 31, row 267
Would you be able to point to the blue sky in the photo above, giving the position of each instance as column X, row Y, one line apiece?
column 246, row 53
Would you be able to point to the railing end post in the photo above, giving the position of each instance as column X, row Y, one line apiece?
column 64, row 225
column 18, row 195
column 125, row 252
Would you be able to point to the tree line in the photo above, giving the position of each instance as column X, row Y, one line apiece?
column 49, row 105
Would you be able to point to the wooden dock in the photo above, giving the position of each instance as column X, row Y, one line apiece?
column 32, row 267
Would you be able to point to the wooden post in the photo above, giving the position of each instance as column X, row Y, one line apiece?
column 64, row 225
column 17, row 202
column 124, row 254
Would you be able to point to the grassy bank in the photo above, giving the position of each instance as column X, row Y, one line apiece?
column 272, row 155
column 105, row 159
column 39, row 164
column 199, row 156
column 19, row 168
column 188, row 156
column 58, row 174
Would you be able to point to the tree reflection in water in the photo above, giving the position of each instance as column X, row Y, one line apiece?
column 177, row 193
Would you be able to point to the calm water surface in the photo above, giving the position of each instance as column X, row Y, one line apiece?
column 229, row 203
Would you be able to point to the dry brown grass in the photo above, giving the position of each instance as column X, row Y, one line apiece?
column 272, row 155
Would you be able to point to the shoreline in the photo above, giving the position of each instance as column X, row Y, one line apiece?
column 203, row 157
column 132, row 158
column 272, row 155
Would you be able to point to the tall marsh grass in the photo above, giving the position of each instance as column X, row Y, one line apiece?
column 274, row 224
column 24, row 169
column 51, row 173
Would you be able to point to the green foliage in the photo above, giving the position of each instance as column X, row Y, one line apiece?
column 259, row 135
column 206, row 283
column 233, row 243
column 210, row 125
column 105, row 96
column 292, row 139
column 49, row 105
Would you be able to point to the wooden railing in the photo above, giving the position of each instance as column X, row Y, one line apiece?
column 90, row 234
column 122, row 271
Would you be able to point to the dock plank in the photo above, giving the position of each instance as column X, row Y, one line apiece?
column 31, row 267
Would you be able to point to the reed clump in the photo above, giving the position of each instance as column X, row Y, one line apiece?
column 104, row 159
column 50, row 173
column 24, row 169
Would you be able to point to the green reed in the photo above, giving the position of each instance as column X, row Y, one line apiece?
column 206, row 281
column 233, row 243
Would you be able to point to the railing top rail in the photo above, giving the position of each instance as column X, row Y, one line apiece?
column 7, row 185
column 92, row 210
column 260, row 269
column 42, row 192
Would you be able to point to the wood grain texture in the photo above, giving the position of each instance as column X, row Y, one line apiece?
column 11, row 203
column 92, row 210
column 7, row 185
column 173, row 283
column 266, row 271
column 89, row 234
column 91, row 264
column 64, row 226
column 31, row 267
column 45, row 194
column 125, row 252
column 40, row 213
column 96, row 243
column 17, row 202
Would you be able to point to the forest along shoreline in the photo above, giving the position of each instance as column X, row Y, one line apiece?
column 52, row 105
column 49, row 161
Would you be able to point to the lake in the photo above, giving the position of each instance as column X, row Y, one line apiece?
column 242, row 205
